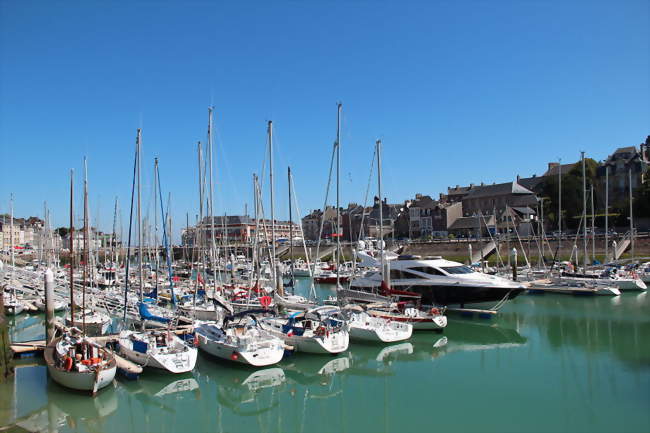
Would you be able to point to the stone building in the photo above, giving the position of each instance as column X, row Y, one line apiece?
column 237, row 228
column 485, row 199
column 428, row 217
column 620, row 166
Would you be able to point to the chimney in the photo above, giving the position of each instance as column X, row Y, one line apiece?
column 518, row 178
column 552, row 164
column 418, row 196
column 482, row 184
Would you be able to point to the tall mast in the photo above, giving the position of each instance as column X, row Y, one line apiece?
column 381, row 212
column 86, row 249
column 138, row 142
column 584, row 206
column 213, row 247
column 559, row 206
column 606, row 213
column 155, row 219
column 270, row 133
column 338, row 208
column 593, row 228
column 293, row 285
column 11, row 235
column 71, row 237
column 198, row 225
column 629, row 173
column 114, row 243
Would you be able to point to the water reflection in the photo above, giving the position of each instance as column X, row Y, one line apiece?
column 618, row 326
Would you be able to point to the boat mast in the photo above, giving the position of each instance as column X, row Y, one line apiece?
column 155, row 221
column 213, row 246
column 593, row 227
column 71, row 237
column 629, row 173
column 293, row 285
column 559, row 206
column 86, row 250
column 198, row 225
column 138, row 142
column 381, row 213
column 606, row 213
column 584, row 207
column 338, row 208
column 273, row 268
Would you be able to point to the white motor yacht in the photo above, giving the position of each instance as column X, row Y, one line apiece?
column 437, row 281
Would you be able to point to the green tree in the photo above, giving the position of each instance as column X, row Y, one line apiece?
column 571, row 195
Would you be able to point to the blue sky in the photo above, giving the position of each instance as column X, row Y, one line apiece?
column 459, row 92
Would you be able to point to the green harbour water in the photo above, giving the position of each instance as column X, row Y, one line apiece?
column 548, row 363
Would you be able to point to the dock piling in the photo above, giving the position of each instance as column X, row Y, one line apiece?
column 49, row 305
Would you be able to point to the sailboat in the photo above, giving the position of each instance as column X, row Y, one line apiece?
column 366, row 327
column 160, row 349
column 76, row 362
column 240, row 338
column 73, row 360
column 319, row 330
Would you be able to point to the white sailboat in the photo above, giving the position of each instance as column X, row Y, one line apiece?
column 240, row 339
column 158, row 349
column 365, row 327
column 319, row 330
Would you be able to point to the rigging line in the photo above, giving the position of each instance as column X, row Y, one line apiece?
column 128, row 251
column 365, row 200
column 322, row 221
column 312, row 288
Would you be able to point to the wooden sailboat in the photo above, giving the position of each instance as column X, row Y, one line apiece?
column 73, row 360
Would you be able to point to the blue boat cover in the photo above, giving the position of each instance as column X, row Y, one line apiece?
column 145, row 314
column 140, row 346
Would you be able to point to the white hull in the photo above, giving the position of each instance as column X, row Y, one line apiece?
column 335, row 342
column 200, row 313
column 13, row 309
column 258, row 358
column 292, row 302
column 630, row 284
column 174, row 362
column 93, row 328
column 82, row 381
column 419, row 324
column 378, row 335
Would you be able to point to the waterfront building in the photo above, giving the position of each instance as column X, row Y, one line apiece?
column 237, row 229
column 429, row 217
